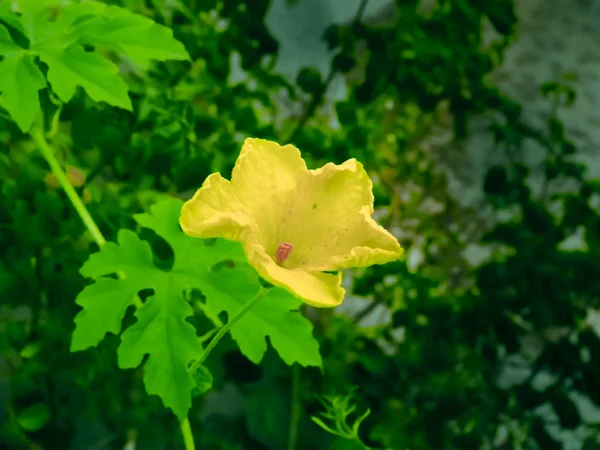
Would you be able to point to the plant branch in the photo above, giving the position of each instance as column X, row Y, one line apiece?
column 48, row 154
column 223, row 331
column 185, row 424
column 188, row 437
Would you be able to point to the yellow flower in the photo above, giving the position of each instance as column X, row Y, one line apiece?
column 294, row 223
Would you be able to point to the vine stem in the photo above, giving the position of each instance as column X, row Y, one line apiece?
column 64, row 182
column 223, row 331
column 188, row 437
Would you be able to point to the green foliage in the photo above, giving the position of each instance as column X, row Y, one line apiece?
column 337, row 410
column 60, row 44
column 161, row 330
column 34, row 417
column 428, row 370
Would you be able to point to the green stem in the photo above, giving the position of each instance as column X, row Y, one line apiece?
column 223, row 331
column 185, row 424
column 186, row 431
column 295, row 414
column 60, row 175
column 206, row 336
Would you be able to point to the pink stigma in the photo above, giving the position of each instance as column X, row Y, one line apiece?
column 283, row 251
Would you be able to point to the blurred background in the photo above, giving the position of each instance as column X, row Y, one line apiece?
column 477, row 120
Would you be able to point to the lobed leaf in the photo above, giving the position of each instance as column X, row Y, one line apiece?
column 10, row 18
column 20, row 82
column 7, row 45
column 60, row 44
column 229, row 290
column 95, row 74
column 138, row 37
column 161, row 330
column 276, row 316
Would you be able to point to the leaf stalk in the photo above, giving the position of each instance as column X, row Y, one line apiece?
column 223, row 331
column 47, row 152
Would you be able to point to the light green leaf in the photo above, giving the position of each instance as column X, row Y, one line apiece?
column 76, row 11
column 9, row 17
column 7, row 45
column 35, row 25
column 32, row 6
column 192, row 256
column 276, row 316
column 20, row 82
column 58, row 43
column 30, row 350
column 104, row 304
column 34, row 417
column 229, row 290
column 161, row 330
column 132, row 34
column 98, row 76
column 131, row 255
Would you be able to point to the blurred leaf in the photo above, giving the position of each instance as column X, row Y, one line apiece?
column 34, row 417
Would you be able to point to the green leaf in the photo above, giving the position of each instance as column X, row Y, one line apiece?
column 20, row 81
column 7, row 45
column 35, row 25
column 204, row 380
column 30, row 350
column 34, row 417
column 59, row 45
column 76, row 11
column 32, row 6
column 136, row 36
column 98, row 76
column 9, row 17
column 104, row 303
column 289, row 332
column 229, row 290
column 161, row 330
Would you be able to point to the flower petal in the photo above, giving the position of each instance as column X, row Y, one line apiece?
column 265, row 176
column 321, row 290
column 215, row 211
column 329, row 223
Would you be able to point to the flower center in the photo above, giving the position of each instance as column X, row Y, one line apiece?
column 283, row 251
